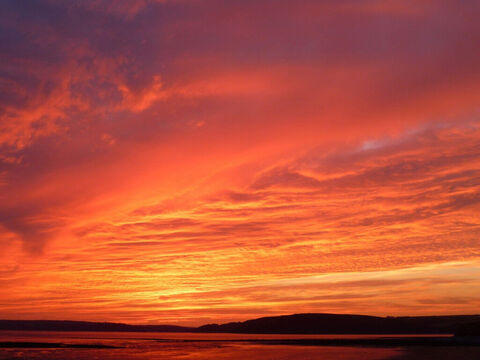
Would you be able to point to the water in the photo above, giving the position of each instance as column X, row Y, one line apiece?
column 187, row 346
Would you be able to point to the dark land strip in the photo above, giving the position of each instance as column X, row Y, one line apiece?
column 47, row 345
column 370, row 342
column 461, row 325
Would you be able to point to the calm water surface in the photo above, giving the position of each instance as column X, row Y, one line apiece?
column 219, row 346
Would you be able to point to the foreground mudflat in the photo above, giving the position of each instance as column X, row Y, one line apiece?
column 189, row 346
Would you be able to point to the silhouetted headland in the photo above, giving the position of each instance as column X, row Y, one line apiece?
column 344, row 324
column 468, row 329
column 47, row 345
column 66, row 325
column 462, row 325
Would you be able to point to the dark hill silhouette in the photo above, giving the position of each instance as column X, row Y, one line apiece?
column 59, row 325
column 344, row 324
column 287, row 324
column 469, row 329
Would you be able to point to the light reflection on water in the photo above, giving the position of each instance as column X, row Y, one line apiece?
column 150, row 346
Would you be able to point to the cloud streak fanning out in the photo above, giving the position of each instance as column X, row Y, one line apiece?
column 184, row 162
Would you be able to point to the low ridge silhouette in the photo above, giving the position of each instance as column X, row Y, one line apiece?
column 287, row 324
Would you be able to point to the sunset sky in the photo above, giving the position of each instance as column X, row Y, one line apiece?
column 196, row 161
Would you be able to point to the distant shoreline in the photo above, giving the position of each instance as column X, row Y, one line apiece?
column 47, row 345
column 313, row 324
column 367, row 342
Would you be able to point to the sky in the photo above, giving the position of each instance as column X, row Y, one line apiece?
column 196, row 161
